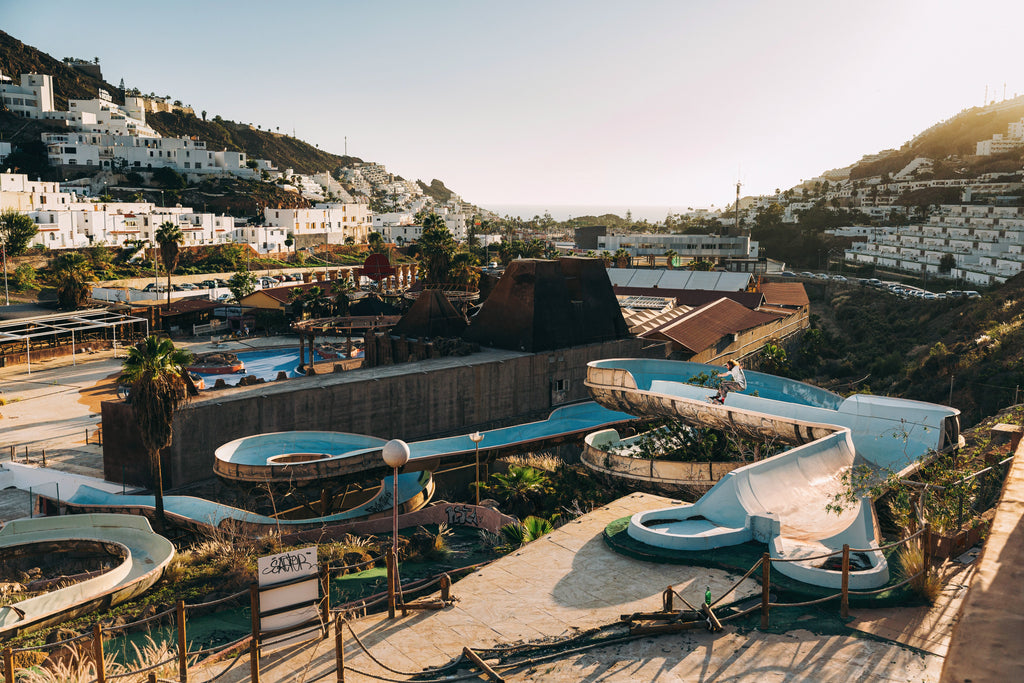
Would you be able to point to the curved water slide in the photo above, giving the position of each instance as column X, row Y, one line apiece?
column 414, row 491
column 134, row 554
column 781, row 500
column 301, row 457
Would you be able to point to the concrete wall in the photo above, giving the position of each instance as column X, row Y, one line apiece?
column 411, row 401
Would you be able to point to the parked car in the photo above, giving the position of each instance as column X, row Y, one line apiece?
column 225, row 297
column 806, row 274
column 839, row 278
column 187, row 287
column 971, row 294
column 208, row 284
column 787, row 273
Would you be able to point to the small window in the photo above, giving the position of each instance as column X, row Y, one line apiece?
column 560, row 384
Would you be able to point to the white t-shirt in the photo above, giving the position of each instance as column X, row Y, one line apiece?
column 738, row 376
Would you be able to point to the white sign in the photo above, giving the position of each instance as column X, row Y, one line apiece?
column 303, row 595
column 282, row 567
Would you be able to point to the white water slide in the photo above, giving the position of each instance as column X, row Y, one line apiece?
column 781, row 500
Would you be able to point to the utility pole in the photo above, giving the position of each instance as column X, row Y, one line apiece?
column 7, row 296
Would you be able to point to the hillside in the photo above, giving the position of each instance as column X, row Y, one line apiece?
column 69, row 83
column 956, row 137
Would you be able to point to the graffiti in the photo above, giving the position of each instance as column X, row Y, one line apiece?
column 288, row 563
column 462, row 514
column 383, row 503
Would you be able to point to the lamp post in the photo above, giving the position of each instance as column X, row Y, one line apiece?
column 476, row 438
column 395, row 454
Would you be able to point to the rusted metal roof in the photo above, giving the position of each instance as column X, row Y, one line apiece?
column 788, row 294
column 702, row 327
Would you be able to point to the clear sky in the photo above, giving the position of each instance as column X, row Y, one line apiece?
column 561, row 102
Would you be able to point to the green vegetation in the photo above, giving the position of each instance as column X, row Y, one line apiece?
column 169, row 236
column 16, row 231
column 242, row 284
column 72, row 273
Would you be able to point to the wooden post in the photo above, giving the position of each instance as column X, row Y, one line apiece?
column 182, row 643
column 446, row 588
column 44, row 457
column 97, row 653
column 766, row 577
column 491, row 673
column 8, row 663
column 325, row 503
column 12, row 453
column 254, row 644
column 325, row 604
column 926, row 546
column 339, row 648
column 666, row 600
column 151, row 677
column 844, row 608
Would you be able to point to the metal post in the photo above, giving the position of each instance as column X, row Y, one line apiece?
column 97, row 649
column 766, row 577
column 254, row 644
column 44, row 457
column 57, row 484
column 389, row 559
column 73, row 360
column 666, row 600
column 325, row 605
column 926, row 540
column 182, row 642
column 31, row 511
column 845, row 602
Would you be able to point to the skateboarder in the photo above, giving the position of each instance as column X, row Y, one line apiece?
column 736, row 382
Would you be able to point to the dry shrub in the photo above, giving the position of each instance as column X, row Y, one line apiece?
column 541, row 461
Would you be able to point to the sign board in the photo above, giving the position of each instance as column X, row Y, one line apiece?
column 286, row 600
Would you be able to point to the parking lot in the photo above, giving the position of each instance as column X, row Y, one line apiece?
column 899, row 289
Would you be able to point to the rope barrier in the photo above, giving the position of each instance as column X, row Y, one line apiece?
column 228, row 668
column 45, row 646
column 347, row 567
column 130, row 624
column 806, row 603
column 211, row 603
column 173, row 658
column 219, row 648
column 736, row 585
column 396, row 671
column 887, row 588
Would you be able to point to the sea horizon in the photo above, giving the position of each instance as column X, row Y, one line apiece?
column 652, row 213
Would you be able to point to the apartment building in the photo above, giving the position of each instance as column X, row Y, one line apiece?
column 987, row 243
column 999, row 143
column 686, row 246
column 334, row 222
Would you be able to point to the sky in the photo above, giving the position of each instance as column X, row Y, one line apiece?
column 559, row 102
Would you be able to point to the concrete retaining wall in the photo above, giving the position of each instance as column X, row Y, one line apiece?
column 410, row 401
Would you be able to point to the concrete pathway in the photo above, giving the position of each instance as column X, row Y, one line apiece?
column 570, row 581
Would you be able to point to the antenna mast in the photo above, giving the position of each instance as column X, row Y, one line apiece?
column 738, row 208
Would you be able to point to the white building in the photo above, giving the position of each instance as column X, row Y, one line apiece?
column 1014, row 139
column 336, row 222
column 686, row 246
column 32, row 98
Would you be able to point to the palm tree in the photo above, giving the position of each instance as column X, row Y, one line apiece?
column 670, row 257
column 155, row 371
column 169, row 236
column 518, row 487
column 463, row 270
column 437, row 247
column 73, row 273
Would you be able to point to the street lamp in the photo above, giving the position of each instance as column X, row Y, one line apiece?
column 395, row 454
column 476, row 438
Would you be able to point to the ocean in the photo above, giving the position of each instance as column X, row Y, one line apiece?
column 563, row 212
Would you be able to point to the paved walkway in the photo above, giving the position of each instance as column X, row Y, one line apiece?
column 571, row 581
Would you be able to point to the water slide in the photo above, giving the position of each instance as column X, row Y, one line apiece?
column 133, row 557
column 781, row 500
column 301, row 457
column 414, row 491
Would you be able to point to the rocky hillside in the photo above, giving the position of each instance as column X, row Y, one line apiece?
column 17, row 58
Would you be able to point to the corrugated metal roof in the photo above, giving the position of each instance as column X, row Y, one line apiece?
column 678, row 279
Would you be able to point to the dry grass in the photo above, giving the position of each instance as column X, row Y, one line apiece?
column 81, row 669
column 925, row 583
column 541, row 461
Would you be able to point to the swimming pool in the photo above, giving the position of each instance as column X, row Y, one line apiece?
column 265, row 364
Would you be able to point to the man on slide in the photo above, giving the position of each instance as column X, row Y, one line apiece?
column 736, row 382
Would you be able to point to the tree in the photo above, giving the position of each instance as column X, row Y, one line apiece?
column 242, row 284
column 519, row 488
column 463, row 270
column 155, row 371
column 72, row 272
column 16, row 231
column 437, row 247
column 169, row 178
column 169, row 237
column 947, row 263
